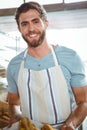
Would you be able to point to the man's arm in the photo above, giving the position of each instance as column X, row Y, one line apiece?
column 79, row 114
column 14, row 108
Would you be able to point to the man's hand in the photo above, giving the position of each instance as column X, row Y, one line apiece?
column 14, row 119
column 65, row 127
column 15, row 114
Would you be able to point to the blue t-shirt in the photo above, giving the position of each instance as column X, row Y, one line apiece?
column 70, row 63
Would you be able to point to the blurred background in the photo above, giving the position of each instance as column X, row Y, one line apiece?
column 67, row 26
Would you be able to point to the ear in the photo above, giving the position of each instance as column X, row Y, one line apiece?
column 46, row 24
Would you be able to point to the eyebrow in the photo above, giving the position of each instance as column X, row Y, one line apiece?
column 24, row 22
column 35, row 19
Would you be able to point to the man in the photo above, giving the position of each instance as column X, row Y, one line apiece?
column 47, row 81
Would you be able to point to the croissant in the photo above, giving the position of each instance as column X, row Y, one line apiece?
column 47, row 127
column 26, row 124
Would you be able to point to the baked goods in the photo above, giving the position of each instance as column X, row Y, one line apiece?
column 4, row 116
column 26, row 124
column 47, row 127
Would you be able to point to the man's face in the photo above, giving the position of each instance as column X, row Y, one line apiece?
column 32, row 28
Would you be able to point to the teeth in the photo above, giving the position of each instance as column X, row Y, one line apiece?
column 33, row 35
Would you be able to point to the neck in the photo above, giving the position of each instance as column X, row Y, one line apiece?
column 39, row 51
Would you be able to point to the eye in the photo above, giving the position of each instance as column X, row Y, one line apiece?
column 24, row 24
column 36, row 21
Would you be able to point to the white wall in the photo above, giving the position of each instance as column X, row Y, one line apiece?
column 72, row 38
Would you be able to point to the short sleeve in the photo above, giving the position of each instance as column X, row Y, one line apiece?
column 78, row 73
column 12, row 85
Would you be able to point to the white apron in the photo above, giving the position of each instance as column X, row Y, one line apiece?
column 44, row 94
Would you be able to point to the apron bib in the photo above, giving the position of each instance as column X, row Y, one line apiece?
column 44, row 94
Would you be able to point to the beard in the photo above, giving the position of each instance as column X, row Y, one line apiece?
column 35, row 43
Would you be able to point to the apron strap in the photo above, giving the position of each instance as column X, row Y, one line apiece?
column 54, row 55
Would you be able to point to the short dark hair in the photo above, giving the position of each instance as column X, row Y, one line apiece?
column 30, row 5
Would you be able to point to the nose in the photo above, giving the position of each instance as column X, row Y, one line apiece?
column 31, row 27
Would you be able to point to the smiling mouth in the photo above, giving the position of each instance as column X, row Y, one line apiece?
column 33, row 35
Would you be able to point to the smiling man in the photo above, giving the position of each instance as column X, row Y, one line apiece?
column 46, row 83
